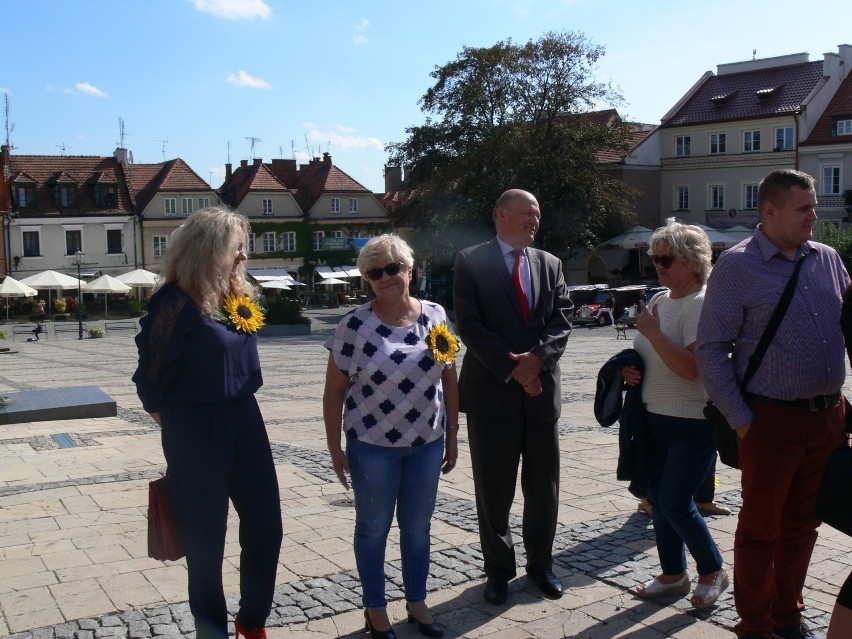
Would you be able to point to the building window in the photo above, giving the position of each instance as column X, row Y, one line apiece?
column 353, row 204
column 318, row 237
column 266, row 205
column 784, row 138
column 66, row 196
column 335, row 205
column 73, row 241
column 251, row 243
column 717, row 143
column 681, row 201
column 750, row 196
column 105, row 196
column 751, row 141
column 844, row 127
column 24, row 196
column 339, row 234
column 114, row 242
column 682, row 145
column 203, row 202
column 32, row 243
column 186, row 206
column 831, row 180
column 160, row 243
column 268, row 242
column 717, row 197
column 288, row 241
column 170, row 206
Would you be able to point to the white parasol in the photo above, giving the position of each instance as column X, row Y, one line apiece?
column 50, row 280
column 107, row 284
column 10, row 287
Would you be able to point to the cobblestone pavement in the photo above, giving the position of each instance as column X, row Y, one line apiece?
column 73, row 555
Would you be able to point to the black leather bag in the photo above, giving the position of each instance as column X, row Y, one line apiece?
column 834, row 500
column 724, row 436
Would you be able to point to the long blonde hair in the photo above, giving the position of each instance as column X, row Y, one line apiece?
column 200, row 257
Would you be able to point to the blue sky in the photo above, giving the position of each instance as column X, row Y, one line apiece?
column 197, row 77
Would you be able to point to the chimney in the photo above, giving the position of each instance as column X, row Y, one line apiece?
column 120, row 155
column 243, row 164
column 326, row 158
column 228, row 172
column 393, row 178
column 258, row 161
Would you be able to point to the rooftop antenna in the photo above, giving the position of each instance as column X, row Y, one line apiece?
column 253, row 142
column 9, row 128
column 280, row 151
column 753, row 54
column 293, row 149
column 121, row 133
column 308, row 147
column 163, row 147
column 228, row 160
column 61, row 148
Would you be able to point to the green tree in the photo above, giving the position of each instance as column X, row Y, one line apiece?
column 513, row 116
column 841, row 241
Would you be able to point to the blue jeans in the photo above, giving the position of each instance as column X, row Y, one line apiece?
column 384, row 477
column 682, row 452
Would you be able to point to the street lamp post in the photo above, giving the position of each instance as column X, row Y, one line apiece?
column 79, row 257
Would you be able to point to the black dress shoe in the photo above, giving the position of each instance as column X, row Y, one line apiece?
column 433, row 629
column 496, row 591
column 549, row 583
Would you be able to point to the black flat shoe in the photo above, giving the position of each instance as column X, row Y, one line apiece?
column 496, row 591
column 548, row 583
column 433, row 629
column 377, row 634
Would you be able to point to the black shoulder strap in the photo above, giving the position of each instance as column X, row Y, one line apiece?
column 772, row 326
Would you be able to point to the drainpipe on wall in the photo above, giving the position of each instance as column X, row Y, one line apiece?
column 796, row 137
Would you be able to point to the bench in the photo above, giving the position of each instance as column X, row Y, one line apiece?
column 621, row 329
column 69, row 327
column 26, row 329
column 121, row 326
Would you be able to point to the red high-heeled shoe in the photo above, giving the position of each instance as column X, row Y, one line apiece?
column 255, row 633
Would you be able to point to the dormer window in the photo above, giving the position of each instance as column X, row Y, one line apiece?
column 66, row 195
column 106, row 196
column 24, row 195
column 843, row 126
column 722, row 97
column 767, row 92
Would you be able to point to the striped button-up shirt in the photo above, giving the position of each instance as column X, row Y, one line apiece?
column 806, row 356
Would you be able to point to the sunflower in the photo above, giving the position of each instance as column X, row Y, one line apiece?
column 242, row 314
column 443, row 344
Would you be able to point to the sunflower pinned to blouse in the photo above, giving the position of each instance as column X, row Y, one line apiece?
column 442, row 343
column 241, row 314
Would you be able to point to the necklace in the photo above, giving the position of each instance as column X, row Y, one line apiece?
column 394, row 319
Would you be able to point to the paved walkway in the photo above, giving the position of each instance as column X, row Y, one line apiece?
column 73, row 557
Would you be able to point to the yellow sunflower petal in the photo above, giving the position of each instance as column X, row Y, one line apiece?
column 443, row 344
column 242, row 314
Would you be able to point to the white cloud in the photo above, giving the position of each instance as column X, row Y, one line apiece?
column 235, row 9
column 347, row 142
column 345, row 129
column 89, row 89
column 359, row 39
column 243, row 79
column 363, row 25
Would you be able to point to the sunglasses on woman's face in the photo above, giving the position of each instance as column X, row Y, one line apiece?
column 663, row 260
column 391, row 269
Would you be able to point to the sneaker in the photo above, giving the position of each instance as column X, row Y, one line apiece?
column 799, row 631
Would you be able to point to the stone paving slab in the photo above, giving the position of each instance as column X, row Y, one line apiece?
column 73, row 556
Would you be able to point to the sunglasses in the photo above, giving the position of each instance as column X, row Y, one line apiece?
column 663, row 260
column 391, row 269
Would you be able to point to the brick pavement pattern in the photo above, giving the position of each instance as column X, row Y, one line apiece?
column 73, row 553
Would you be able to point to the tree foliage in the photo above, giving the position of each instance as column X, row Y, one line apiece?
column 512, row 116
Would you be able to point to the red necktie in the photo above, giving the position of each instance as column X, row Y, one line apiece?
column 519, row 287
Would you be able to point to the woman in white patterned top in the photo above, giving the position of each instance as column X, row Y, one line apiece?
column 681, row 443
column 391, row 387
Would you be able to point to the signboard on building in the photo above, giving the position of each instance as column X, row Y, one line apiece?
column 343, row 243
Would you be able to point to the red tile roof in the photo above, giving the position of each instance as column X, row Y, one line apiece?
column 46, row 171
column 760, row 93
column 839, row 107
column 146, row 180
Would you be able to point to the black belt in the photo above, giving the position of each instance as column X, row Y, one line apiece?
column 820, row 402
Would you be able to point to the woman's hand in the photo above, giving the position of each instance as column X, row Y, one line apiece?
column 341, row 466
column 451, row 451
column 648, row 322
column 631, row 375
column 156, row 418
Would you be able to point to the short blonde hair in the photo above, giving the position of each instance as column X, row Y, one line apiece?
column 200, row 256
column 381, row 245
column 689, row 243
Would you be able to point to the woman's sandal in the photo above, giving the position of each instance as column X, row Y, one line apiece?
column 656, row 588
column 709, row 593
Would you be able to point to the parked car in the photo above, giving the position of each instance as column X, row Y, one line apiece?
column 592, row 304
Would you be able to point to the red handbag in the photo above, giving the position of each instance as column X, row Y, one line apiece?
column 164, row 538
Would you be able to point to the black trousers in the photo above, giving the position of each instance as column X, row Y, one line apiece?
column 216, row 452
column 496, row 449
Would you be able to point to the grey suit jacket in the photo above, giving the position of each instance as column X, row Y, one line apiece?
column 489, row 321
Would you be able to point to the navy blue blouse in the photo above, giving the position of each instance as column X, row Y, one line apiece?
column 186, row 357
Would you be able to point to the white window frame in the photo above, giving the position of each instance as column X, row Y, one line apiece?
column 335, row 205
column 716, row 200
column 353, row 205
column 717, row 143
column 169, row 207
column 203, row 202
column 318, row 238
column 844, row 127
column 784, row 131
column 37, row 231
column 75, row 228
column 266, row 206
column 681, row 198
column 250, row 241
column 186, row 206
column 751, row 141
column 683, row 146
column 288, row 241
column 269, row 242
column 750, row 197
column 831, row 185
column 339, row 234
column 159, row 245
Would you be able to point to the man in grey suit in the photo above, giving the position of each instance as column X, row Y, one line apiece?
column 512, row 312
